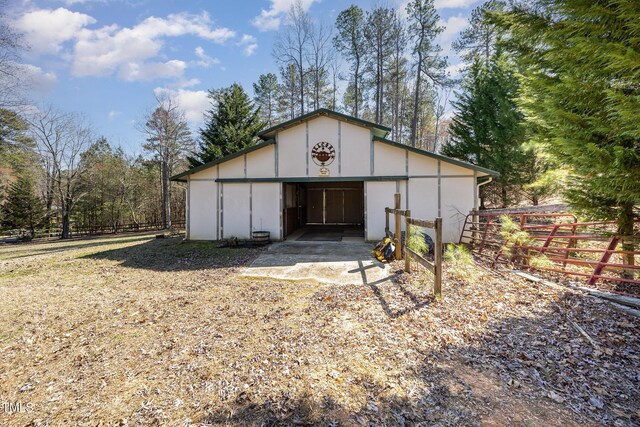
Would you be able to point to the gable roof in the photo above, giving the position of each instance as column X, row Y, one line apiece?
column 378, row 130
column 181, row 176
column 437, row 156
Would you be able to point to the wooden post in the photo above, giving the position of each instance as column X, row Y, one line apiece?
column 386, row 223
column 398, row 226
column 407, row 230
column 437, row 284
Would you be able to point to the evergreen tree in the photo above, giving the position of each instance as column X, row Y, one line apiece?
column 350, row 42
column 582, row 96
column 488, row 128
column 424, row 28
column 479, row 39
column 265, row 96
column 22, row 209
column 232, row 125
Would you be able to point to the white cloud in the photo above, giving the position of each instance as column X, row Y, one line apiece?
column 109, row 49
column 194, row 103
column 131, row 53
column 133, row 71
column 38, row 79
column 250, row 44
column 270, row 19
column 113, row 114
column 452, row 28
column 46, row 30
column 454, row 4
column 204, row 59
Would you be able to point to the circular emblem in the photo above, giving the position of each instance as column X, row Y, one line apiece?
column 323, row 153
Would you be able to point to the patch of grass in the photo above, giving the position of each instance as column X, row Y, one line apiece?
column 416, row 241
column 459, row 262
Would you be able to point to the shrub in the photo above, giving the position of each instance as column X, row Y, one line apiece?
column 416, row 241
column 460, row 263
column 513, row 236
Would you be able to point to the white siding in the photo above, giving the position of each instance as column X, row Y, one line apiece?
column 389, row 160
column 266, row 208
column 457, row 201
column 380, row 195
column 323, row 129
column 233, row 168
column 261, row 163
column 422, row 165
column 235, row 210
column 292, row 152
column 202, row 210
column 423, row 200
column 355, row 142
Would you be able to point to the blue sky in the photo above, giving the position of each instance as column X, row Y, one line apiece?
column 107, row 58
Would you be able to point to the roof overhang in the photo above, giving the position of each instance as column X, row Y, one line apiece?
column 377, row 129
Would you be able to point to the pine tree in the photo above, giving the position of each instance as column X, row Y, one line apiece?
column 232, row 125
column 350, row 42
column 488, row 128
column 479, row 39
column 424, row 28
column 582, row 94
column 265, row 94
column 22, row 209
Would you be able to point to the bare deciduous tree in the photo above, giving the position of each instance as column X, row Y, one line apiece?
column 12, row 76
column 60, row 139
column 168, row 140
column 291, row 47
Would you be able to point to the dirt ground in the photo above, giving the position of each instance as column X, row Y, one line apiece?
column 132, row 330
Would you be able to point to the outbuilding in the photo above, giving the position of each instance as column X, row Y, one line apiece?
column 326, row 172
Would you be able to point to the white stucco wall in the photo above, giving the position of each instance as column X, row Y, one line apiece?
column 266, row 208
column 202, row 210
column 235, row 210
column 246, row 206
column 355, row 142
column 457, row 201
column 261, row 163
column 292, row 151
column 388, row 160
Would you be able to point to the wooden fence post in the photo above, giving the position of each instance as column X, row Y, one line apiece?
column 386, row 223
column 398, row 226
column 407, row 231
column 437, row 284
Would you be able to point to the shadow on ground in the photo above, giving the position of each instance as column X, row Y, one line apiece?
column 534, row 370
column 175, row 254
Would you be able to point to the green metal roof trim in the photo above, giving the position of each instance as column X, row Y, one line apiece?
column 382, row 131
column 437, row 156
column 180, row 176
column 316, row 179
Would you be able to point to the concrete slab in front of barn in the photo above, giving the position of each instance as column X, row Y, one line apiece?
column 337, row 263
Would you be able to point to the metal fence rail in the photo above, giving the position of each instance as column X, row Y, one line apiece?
column 591, row 250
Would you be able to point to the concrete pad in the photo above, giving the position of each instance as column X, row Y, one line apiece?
column 337, row 263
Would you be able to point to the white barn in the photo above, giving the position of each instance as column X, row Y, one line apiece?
column 326, row 169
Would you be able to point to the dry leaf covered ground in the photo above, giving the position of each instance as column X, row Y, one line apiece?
column 130, row 330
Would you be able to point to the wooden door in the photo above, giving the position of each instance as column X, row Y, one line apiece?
column 353, row 206
column 315, row 205
column 333, row 207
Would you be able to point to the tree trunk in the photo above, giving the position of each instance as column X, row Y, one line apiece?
column 166, row 196
column 66, row 232
column 503, row 195
column 355, row 86
column 416, row 103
